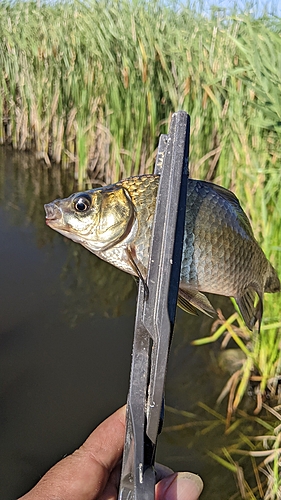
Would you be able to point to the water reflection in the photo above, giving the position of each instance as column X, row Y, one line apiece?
column 95, row 286
column 24, row 188
column 66, row 334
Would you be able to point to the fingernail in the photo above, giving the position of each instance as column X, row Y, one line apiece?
column 192, row 480
column 183, row 486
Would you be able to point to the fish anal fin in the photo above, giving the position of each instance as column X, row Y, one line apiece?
column 185, row 305
column 272, row 282
column 250, row 304
column 190, row 300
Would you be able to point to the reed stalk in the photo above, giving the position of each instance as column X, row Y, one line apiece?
column 93, row 84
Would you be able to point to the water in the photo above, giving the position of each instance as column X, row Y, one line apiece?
column 66, row 335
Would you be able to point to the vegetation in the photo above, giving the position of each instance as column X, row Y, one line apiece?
column 238, row 450
column 93, row 84
column 82, row 83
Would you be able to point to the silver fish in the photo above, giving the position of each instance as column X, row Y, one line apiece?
column 220, row 253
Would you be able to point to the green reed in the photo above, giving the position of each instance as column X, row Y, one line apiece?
column 94, row 83
column 238, row 448
column 71, row 70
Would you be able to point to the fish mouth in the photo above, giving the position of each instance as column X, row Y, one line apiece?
column 53, row 213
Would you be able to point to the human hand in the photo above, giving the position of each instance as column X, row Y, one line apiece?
column 93, row 471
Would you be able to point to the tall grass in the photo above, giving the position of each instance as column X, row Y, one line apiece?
column 94, row 83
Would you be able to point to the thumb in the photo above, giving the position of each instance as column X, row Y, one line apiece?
column 179, row 486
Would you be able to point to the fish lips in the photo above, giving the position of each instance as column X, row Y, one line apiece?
column 55, row 220
column 53, row 213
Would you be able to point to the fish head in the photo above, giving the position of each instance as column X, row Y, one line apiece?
column 98, row 218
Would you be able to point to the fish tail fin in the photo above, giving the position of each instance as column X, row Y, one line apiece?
column 251, row 307
column 272, row 282
column 190, row 300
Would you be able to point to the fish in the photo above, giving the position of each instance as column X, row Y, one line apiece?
column 220, row 253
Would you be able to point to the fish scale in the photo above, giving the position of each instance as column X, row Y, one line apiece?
column 220, row 254
column 219, row 268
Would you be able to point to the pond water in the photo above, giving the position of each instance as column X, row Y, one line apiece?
column 66, row 335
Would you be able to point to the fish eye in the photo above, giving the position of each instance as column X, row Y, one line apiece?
column 82, row 204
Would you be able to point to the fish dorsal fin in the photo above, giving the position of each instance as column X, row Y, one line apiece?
column 190, row 300
column 233, row 200
column 250, row 304
column 226, row 194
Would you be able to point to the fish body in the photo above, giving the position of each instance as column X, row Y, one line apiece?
column 220, row 254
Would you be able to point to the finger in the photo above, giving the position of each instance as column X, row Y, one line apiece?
column 110, row 491
column 84, row 474
column 179, row 486
column 162, row 471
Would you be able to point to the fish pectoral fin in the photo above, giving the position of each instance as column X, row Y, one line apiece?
column 190, row 300
column 250, row 304
column 137, row 271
